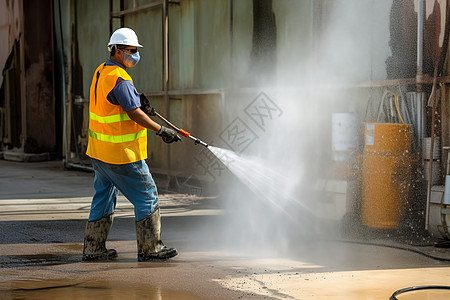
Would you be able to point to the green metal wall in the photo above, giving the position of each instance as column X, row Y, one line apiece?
column 92, row 22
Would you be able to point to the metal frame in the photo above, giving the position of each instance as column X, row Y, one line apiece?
column 165, row 50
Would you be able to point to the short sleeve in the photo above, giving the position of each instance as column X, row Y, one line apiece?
column 126, row 95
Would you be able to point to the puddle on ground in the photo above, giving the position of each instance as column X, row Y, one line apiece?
column 38, row 257
column 77, row 247
column 13, row 261
column 67, row 289
column 43, row 259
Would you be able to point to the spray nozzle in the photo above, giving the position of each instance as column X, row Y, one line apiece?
column 198, row 141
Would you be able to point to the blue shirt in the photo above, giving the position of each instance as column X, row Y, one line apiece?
column 124, row 93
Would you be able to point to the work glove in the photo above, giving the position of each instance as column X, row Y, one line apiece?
column 168, row 135
column 145, row 105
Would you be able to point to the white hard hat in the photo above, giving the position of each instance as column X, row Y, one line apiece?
column 124, row 36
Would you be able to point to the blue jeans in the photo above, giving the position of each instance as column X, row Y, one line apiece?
column 133, row 180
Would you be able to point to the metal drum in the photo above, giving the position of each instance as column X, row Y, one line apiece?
column 386, row 174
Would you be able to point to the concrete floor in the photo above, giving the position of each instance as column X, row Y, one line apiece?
column 42, row 218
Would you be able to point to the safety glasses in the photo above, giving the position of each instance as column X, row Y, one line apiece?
column 132, row 51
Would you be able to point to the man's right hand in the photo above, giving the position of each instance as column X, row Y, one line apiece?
column 168, row 135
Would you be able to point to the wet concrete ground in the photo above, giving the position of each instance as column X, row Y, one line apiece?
column 43, row 210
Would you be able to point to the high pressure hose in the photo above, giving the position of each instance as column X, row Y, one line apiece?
column 398, row 248
column 417, row 288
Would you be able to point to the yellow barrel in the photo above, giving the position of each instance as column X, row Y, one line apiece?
column 386, row 174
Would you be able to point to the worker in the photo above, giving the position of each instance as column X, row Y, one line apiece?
column 118, row 148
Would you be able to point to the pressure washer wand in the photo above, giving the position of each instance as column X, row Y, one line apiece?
column 148, row 109
column 181, row 131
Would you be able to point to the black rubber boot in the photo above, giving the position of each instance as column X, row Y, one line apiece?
column 95, row 239
column 149, row 244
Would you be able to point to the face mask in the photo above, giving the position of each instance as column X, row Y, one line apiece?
column 131, row 60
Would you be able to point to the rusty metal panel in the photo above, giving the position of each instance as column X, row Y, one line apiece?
column 92, row 21
column 295, row 34
column 240, row 48
column 182, row 46
column 212, row 44
column 201, row 115
column 148, row 74
column 157, row 149
column 40, row 102
column 199, row 44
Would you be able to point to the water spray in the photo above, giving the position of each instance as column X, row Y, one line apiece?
column 149, row 110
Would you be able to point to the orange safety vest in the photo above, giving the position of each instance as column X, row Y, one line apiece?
column 113, row 137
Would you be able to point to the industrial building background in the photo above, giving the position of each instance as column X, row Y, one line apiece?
column 203, row 58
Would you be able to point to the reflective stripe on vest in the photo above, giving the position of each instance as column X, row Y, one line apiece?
column 109, row 119
column 117, row 138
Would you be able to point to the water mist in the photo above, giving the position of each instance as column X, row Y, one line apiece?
column 274, row 197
